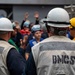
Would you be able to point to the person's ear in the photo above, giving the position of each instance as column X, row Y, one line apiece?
column 9, row 34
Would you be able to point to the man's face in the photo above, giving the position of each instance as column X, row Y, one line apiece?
column 14, row 33
column 72, row 32
column 37, row 34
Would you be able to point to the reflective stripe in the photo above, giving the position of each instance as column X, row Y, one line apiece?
column 57, row 46
column 56, row 22
column 1, row 49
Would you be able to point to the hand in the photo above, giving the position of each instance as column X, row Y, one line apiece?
column 25, row 38
column 26, row 15
column 26, row 56
column 23, row 42
column 16, row 22
column 36, row 14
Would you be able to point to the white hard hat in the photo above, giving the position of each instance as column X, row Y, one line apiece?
column 35, row 28
column 58, row 17
column 26, row 23
column 5, row 24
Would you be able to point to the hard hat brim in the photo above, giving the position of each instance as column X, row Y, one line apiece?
column 6, row 30
column 56, row 25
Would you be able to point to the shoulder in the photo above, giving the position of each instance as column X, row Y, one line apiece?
column 41, row 39
column 5, row 44
column 31, row 40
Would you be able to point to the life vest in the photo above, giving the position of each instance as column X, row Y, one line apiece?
column 4, row 49
column 55, row 56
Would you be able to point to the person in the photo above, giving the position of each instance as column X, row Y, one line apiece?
column 25, row 29
column 23, row 44
column 12, row 40
column 44, row 29
column 11, row 62
column 18, row 35
column 36, row 16
column 56, row 54
column 36, row 31
column 26, row 15
column 31, row 25
column 71, row 32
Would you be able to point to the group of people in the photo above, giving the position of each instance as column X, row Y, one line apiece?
column 46, row 47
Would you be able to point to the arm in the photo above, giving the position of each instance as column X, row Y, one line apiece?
column 36, row 15
column 22, row 24
column 37, row 21
column 15, row 63
column 28, row 51
column 26, row 15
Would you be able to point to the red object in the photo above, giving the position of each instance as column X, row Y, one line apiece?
column 25, row 32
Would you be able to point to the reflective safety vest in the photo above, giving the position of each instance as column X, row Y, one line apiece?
column 4, row 49
column 55, row 56
column 33, row 42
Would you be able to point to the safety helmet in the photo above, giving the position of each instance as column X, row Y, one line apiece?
column 35, row 28
column 58, row 17
column 42, row 24
column 26, row 23
column 72, row 23
column 5, row 24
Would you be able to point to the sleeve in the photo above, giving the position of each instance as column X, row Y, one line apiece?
column 28, row 48
column 37, row 21
column 22, row 24
column 31, row 68
column 16, row 64
column 22, row 52
column 18, row 37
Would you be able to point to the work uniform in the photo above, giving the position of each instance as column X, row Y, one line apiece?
column 8, row 60
column 55, row 56
column 4, row 49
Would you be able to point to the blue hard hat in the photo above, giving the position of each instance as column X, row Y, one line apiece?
column 26, row 23
column 35, row 28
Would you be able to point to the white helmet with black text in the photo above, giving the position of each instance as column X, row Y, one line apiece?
column 58, row 17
